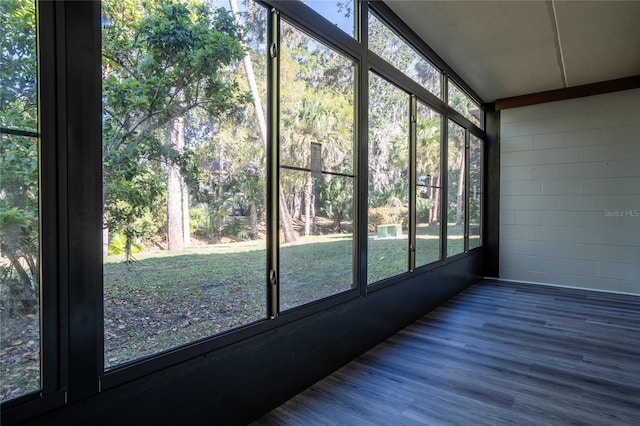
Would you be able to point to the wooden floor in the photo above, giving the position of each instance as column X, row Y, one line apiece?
column 497, row 354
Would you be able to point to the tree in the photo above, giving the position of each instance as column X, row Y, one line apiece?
column 456, row 171
column 285, row 218
column 162, row 60
column 19, row 213
column 316, row 108
column 175, row 184
column 338, row 201
column 428, row 155
column 18, row 69
column 388, row 144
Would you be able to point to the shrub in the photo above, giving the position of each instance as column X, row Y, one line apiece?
column 118, row 244
column 199, row 219
column 388, row 215
column 423, row 206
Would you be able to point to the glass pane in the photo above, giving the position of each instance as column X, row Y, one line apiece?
column 475, row 192
column 339, row 12
column 388, row 180
column 19, row 210
column 317, row 104
column 184, row 174
column 316, row 176
column 18, row 69
column 464, row 105
column 386, row 44
column 427, row 185
column 319, row 263
column 456, row 176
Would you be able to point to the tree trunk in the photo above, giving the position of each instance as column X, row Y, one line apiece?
column 185, row 214
column 105, row 241
column 435, row 193
column 460, row 190
column 297, row 206
column 285, row 219
column 308, row 189
column 254, row 217
column 15, row 262
column 337, row 226
column 175, row 230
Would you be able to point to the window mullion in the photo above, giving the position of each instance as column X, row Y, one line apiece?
column 81, row 127
column 444, row 183
column 273, row 162
column 413, row 108
column 467, row 153
column 362, row 153
column 49, row 225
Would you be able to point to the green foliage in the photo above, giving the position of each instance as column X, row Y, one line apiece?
column 385, row 43
column 198, row 219
column 217, row 220
column 18, row 96
column 132, row 200
column 19, row 215
column 388, row 215
column 208, row 222
column 336, row 196
column 233, row 227
column 423, row 205
column 118, row 245
column 162, row 60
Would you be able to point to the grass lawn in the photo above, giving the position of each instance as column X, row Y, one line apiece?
column 166, row 299
column 389, row 256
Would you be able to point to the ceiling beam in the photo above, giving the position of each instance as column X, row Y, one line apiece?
column 600, row 88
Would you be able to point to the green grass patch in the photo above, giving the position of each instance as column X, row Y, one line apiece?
column 166, row 299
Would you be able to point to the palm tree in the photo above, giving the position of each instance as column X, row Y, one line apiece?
column 428, row 154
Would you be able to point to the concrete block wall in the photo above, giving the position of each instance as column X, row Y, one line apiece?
column 570, row 193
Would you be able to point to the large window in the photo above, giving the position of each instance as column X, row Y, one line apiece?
column 19, row 205
column 184, row 174
column 234, row 160
column 428, row 184
column 388, row 213
column 316, row 169
column 456, row 184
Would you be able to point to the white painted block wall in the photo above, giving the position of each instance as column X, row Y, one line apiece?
column 570, row 193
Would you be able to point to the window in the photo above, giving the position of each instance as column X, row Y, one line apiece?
column 316, row 169
column 339, row 13
column 428, row 185
column 456, row 184
column 386, row 44
column 19, row 205
column 184, row 174
column 388, row 213
column 475, row 191
column 216, row 122
column 462, row 103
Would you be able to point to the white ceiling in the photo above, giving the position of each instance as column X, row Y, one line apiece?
column 511, row 48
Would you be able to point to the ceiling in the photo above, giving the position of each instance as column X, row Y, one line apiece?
column 511, row 48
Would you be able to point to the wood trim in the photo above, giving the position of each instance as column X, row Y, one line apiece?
column 600, row 88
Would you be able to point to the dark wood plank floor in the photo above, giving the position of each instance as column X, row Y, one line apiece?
column 497, row 354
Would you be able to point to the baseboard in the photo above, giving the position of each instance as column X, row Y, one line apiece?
column 562, row 286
